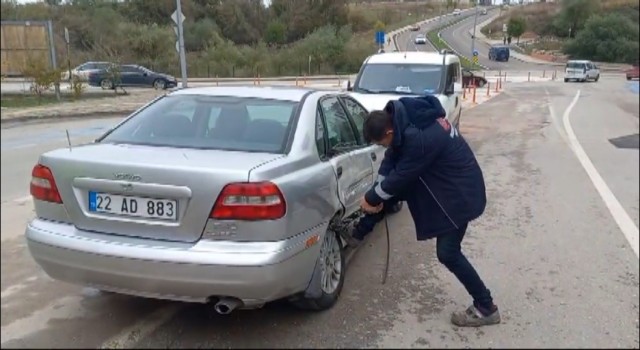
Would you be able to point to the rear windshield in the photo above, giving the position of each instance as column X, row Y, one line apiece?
column 208, row 122
column 575, row 65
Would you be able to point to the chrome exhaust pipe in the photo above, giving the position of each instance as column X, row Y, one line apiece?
column 226, row 305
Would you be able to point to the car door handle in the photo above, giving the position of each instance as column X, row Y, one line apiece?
column 339, row 171
column 373, row 156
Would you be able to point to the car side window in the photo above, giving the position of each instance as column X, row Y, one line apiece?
column 358, row 115
column 339, row 130
column 321, row 143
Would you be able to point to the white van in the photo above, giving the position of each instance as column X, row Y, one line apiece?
column 392, row 75
column 581, row 70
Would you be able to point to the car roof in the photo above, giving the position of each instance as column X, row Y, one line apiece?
column 578, row 61
column 285, row 93
column 411, row 57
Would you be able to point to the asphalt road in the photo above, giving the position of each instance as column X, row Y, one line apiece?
column 406, row 40
column 459, row 39
column 560, row 267
column 23, row 86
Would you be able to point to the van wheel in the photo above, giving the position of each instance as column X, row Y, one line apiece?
column 566, row 80
column 597, row 78
column 330, row 276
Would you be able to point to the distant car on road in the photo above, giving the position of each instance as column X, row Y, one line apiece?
column 131, row 75
column 633, row 72
column 483, row 12
column 415, row 28
column 397, row 74
column 581, row 70
column 420, row 39
column 456, row 12
column 81, row 72
column 470, row 79
column 210, row 195
column 499, row 53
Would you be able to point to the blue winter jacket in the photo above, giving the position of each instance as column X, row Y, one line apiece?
column 431, row 166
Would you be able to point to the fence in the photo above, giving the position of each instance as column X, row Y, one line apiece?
column 21, row 41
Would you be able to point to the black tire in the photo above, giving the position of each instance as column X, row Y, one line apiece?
column 628, row 78
column 159, row 84
column 106, row 84
column 597, row 78
column 326, row 300
column 566, row 80
column 481, row 83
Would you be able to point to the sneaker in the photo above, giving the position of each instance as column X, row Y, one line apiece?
column 473, row 317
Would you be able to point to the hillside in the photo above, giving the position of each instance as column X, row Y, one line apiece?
column 573, row 27
column 225, row 37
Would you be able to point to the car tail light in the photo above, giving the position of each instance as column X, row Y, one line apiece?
column 43, row 186
column 249, row 201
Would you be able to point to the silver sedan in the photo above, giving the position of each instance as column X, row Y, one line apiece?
column 231, row 196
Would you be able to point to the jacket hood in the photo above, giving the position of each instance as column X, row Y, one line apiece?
column 419, row 112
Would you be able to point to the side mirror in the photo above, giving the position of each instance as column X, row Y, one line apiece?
column 453, row 88
column 457, row 88
column 349, row 87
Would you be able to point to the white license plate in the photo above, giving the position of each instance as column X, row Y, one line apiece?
column 165, row 209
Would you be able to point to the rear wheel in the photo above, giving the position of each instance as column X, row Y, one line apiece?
column 331, row 262
column 566, row 80
column 159, row 84
column 597, row 77
column 106, row 84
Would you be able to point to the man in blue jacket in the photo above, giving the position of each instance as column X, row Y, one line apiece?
column 433, row 168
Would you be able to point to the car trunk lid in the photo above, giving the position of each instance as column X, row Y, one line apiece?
column 145, row 191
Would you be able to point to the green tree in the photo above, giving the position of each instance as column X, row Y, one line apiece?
column 516, row 27
column 610, row 38
column 574, row 15
column 276, row 33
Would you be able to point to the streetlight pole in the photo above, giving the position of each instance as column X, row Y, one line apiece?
column 183, row 59
column 473, row 37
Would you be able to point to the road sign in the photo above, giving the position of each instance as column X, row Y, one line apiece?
column 66, row 35
column 380, row 37
column 475, row 53
column 504, row 27
column 177, row 46
column 475, row 59
column 174, row 17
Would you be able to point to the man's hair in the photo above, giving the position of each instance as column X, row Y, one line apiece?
column 375, row 126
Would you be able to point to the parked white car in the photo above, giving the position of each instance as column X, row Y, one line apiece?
column 582, row 70
column 457, row 12
column 393, row 75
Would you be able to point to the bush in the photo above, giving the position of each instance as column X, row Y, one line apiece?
column 44, row 77
column 610, row 38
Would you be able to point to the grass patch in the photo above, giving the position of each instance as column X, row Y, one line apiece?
column 27, row 101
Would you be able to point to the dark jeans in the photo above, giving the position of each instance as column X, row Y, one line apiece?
column 369, row 221
column 450, row 255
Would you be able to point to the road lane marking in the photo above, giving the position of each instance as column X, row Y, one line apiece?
column 626, row 225
column 130, row 336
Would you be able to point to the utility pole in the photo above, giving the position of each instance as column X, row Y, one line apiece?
column 179, row 19
column 475, row 22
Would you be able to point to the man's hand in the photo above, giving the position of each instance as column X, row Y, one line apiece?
column 367, row 208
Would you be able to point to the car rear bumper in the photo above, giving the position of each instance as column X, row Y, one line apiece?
column 254, row 272
column 577, row 76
